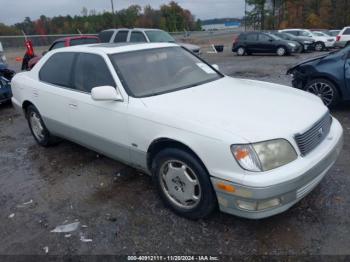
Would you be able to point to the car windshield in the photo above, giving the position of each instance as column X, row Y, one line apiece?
column 333, row 33
column 162, row 70
column 158, row 36
column 305, row 33
column 289, row 35
column 319, row 34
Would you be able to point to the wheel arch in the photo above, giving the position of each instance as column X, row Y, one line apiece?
column 160, row 144
column 25, row 105
column 328, row 78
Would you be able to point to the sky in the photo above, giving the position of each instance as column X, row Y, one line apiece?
column 13, row 11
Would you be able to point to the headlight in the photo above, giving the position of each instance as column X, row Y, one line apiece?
column 291, row 44
column 264, row 156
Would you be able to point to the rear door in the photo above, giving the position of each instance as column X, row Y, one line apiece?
column 99, row 125
column 51, row 95
column 251, row 42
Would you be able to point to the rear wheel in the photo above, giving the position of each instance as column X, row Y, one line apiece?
column 281, row 51
column 319, row 46
column 325, row 90
column 241, row 51
column 183, row 183
column 38, row 128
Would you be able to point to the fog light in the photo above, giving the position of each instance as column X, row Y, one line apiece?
column 269, row 203
column 246, row 205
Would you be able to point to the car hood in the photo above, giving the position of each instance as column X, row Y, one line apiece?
column 314, row 59
column 253, row 110
column 189, row 46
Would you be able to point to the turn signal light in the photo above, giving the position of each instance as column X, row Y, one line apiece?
column 225, row 187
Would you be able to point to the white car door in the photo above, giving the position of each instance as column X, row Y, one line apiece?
column 51, row 93
column 99, row 125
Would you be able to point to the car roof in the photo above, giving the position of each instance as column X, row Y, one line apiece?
column 113, row 48
column 136, row 28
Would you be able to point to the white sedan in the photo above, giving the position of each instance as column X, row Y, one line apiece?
column 252, row 148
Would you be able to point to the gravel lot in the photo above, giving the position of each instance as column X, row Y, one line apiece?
column 119, row 210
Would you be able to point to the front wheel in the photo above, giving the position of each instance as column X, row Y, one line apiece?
column 281, row 51
column 325, row 90
column 183, row 183
column 319, row 46
column 38, row 129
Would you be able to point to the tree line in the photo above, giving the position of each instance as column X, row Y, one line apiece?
column 315, row 14
column 170, row 17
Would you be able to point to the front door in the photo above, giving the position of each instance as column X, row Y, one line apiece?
column 99, row 125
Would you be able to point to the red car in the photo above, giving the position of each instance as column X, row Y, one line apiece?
column 65, row 42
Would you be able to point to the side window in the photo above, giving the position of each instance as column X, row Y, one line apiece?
column 252, row 37
column 264, row 38
column 91, row 71
column 292, row 32
column 137, row 37
column 105, row 36
column 121, row 37
column 347, row 31
column 57, row 45
column 59, row 62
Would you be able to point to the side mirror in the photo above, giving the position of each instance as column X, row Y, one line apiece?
column 105, row 93
column 216, row 67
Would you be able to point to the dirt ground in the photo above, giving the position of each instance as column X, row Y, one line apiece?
column 120, row 212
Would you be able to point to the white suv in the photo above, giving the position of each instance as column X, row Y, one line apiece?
column 343, row 38
column 322, row 41
column 142, row 35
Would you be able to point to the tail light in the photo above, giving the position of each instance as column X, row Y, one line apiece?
column 338, row 38
column 235, row 40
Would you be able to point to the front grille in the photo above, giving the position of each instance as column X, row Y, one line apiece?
column 309, row 140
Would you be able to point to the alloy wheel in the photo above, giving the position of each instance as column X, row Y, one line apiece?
column 323, row 91
column 180, row 184
column 36, row 125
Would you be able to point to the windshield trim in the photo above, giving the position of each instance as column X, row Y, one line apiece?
column 130, row 93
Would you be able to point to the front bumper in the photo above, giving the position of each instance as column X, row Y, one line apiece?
column 5, row 94
column 283, row 195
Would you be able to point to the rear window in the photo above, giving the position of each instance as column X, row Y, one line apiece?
column 57, row 69
column 347, row 31
column 83, row 41
column 105, row 36
column 137, row 37
column 57, row 45
column 121, row 37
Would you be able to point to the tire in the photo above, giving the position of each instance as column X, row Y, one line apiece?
column 174, row 188
column 319, row 46
column 38, row 129
column 241, row 51
column 281, row 51
column 324, row 89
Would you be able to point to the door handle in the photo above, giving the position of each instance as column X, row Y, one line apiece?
column 73, row 106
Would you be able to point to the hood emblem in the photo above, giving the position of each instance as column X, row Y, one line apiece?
column 320, row 132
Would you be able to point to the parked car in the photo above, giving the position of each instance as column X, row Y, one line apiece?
column 321, row 42
column 343, row 38
column 142, row 35
column 328, row 38
column 256, row 42
column 306, row 43
column 206, row 138
column 65, row 42
column 5, row 90
column 327, row 76
column 333, row 32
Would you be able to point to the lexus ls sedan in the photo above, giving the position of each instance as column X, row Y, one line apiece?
column 207, row 139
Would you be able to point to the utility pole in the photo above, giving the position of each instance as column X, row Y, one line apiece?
column 245, row 15
column 112, row 3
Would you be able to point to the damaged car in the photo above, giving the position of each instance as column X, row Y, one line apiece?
column 326, row 76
